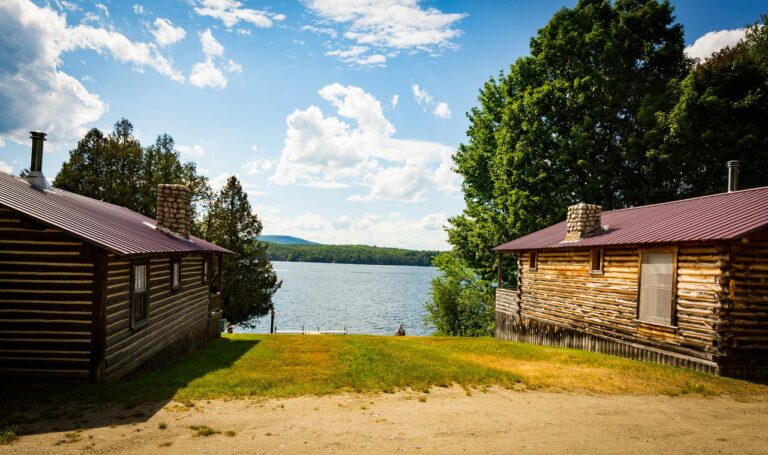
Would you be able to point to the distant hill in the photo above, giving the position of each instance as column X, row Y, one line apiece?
column 285, row 240
column 347, row 254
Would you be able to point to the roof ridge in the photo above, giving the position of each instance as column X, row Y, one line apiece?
column 689, row 199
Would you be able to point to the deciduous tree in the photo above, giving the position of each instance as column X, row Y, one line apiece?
column 567, row 124
column 721, row 114
column 462, row 303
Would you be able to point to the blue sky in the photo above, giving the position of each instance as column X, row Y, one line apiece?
column 338, row 116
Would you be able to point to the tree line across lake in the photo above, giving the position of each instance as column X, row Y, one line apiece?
column 349, row 254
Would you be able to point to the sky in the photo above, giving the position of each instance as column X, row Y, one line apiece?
column 339, row 116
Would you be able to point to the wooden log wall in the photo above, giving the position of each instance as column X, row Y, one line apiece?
column 507, row 301
column 744, row 314
column 46, row 281
column 527, row 330
column 178, row 320
column 561, row 294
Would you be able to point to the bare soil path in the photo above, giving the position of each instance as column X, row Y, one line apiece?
column 444, row 421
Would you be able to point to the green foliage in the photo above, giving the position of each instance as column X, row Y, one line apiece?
column 462, row 302
column 721, row 114
column 8, row 435
column 249, row 281
column 567, row 124
column 605, row 110
column 117, row 169
column 349, row 254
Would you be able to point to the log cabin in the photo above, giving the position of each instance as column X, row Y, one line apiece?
column 681, row 283
column 90, row 291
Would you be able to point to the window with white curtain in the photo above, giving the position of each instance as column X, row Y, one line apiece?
column 657, row 287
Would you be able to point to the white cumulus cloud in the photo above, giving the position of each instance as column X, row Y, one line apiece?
column 712, row 42
column 165, row 33
column 404, row 183
column 442, row 111
column 389, row 25
column 34, row 40
column 393, row 102
column 233, row 67
column 8, row 169
column 103, row 8
column 208, row 73
column 420, row 95
column 258, row 166
column 320, row 30
column 230, row 12
column 424, row 99
column 357, row 148
column 191, row 150
column 65, row 5
column 211, row 47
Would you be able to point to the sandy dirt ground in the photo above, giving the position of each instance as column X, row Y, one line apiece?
column 444, row 421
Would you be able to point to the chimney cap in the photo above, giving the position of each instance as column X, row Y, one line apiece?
column 37, row 135
column 732, row 163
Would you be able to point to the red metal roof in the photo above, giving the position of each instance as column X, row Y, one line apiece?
column 715, row 217
column 114, row 228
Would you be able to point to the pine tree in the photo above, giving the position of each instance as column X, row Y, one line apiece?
column 116, row 169
column 249, row 280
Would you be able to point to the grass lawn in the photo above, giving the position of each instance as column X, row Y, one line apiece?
column 272, row 366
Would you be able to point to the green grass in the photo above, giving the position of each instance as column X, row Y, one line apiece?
column 8, row 435
column 277, row 366
column 203, row 430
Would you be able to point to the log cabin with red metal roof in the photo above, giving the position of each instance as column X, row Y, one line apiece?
column 682, row 283
column 93, row 291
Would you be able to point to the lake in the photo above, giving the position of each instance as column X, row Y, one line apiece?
column 367, row 299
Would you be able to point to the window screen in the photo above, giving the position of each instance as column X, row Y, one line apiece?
column 656, row 299
column 533, row 260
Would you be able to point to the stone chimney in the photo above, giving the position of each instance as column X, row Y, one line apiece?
column 583, row 220
column 173, row 211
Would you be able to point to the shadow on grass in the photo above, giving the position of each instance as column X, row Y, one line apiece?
column 41, row 408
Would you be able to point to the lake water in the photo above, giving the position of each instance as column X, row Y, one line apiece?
column 369, row 299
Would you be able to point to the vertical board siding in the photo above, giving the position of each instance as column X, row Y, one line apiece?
column 744, row 326
column 173, row 315
column 596, row 311
column 46, row 294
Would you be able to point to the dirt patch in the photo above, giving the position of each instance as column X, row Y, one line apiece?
column 445, row 420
